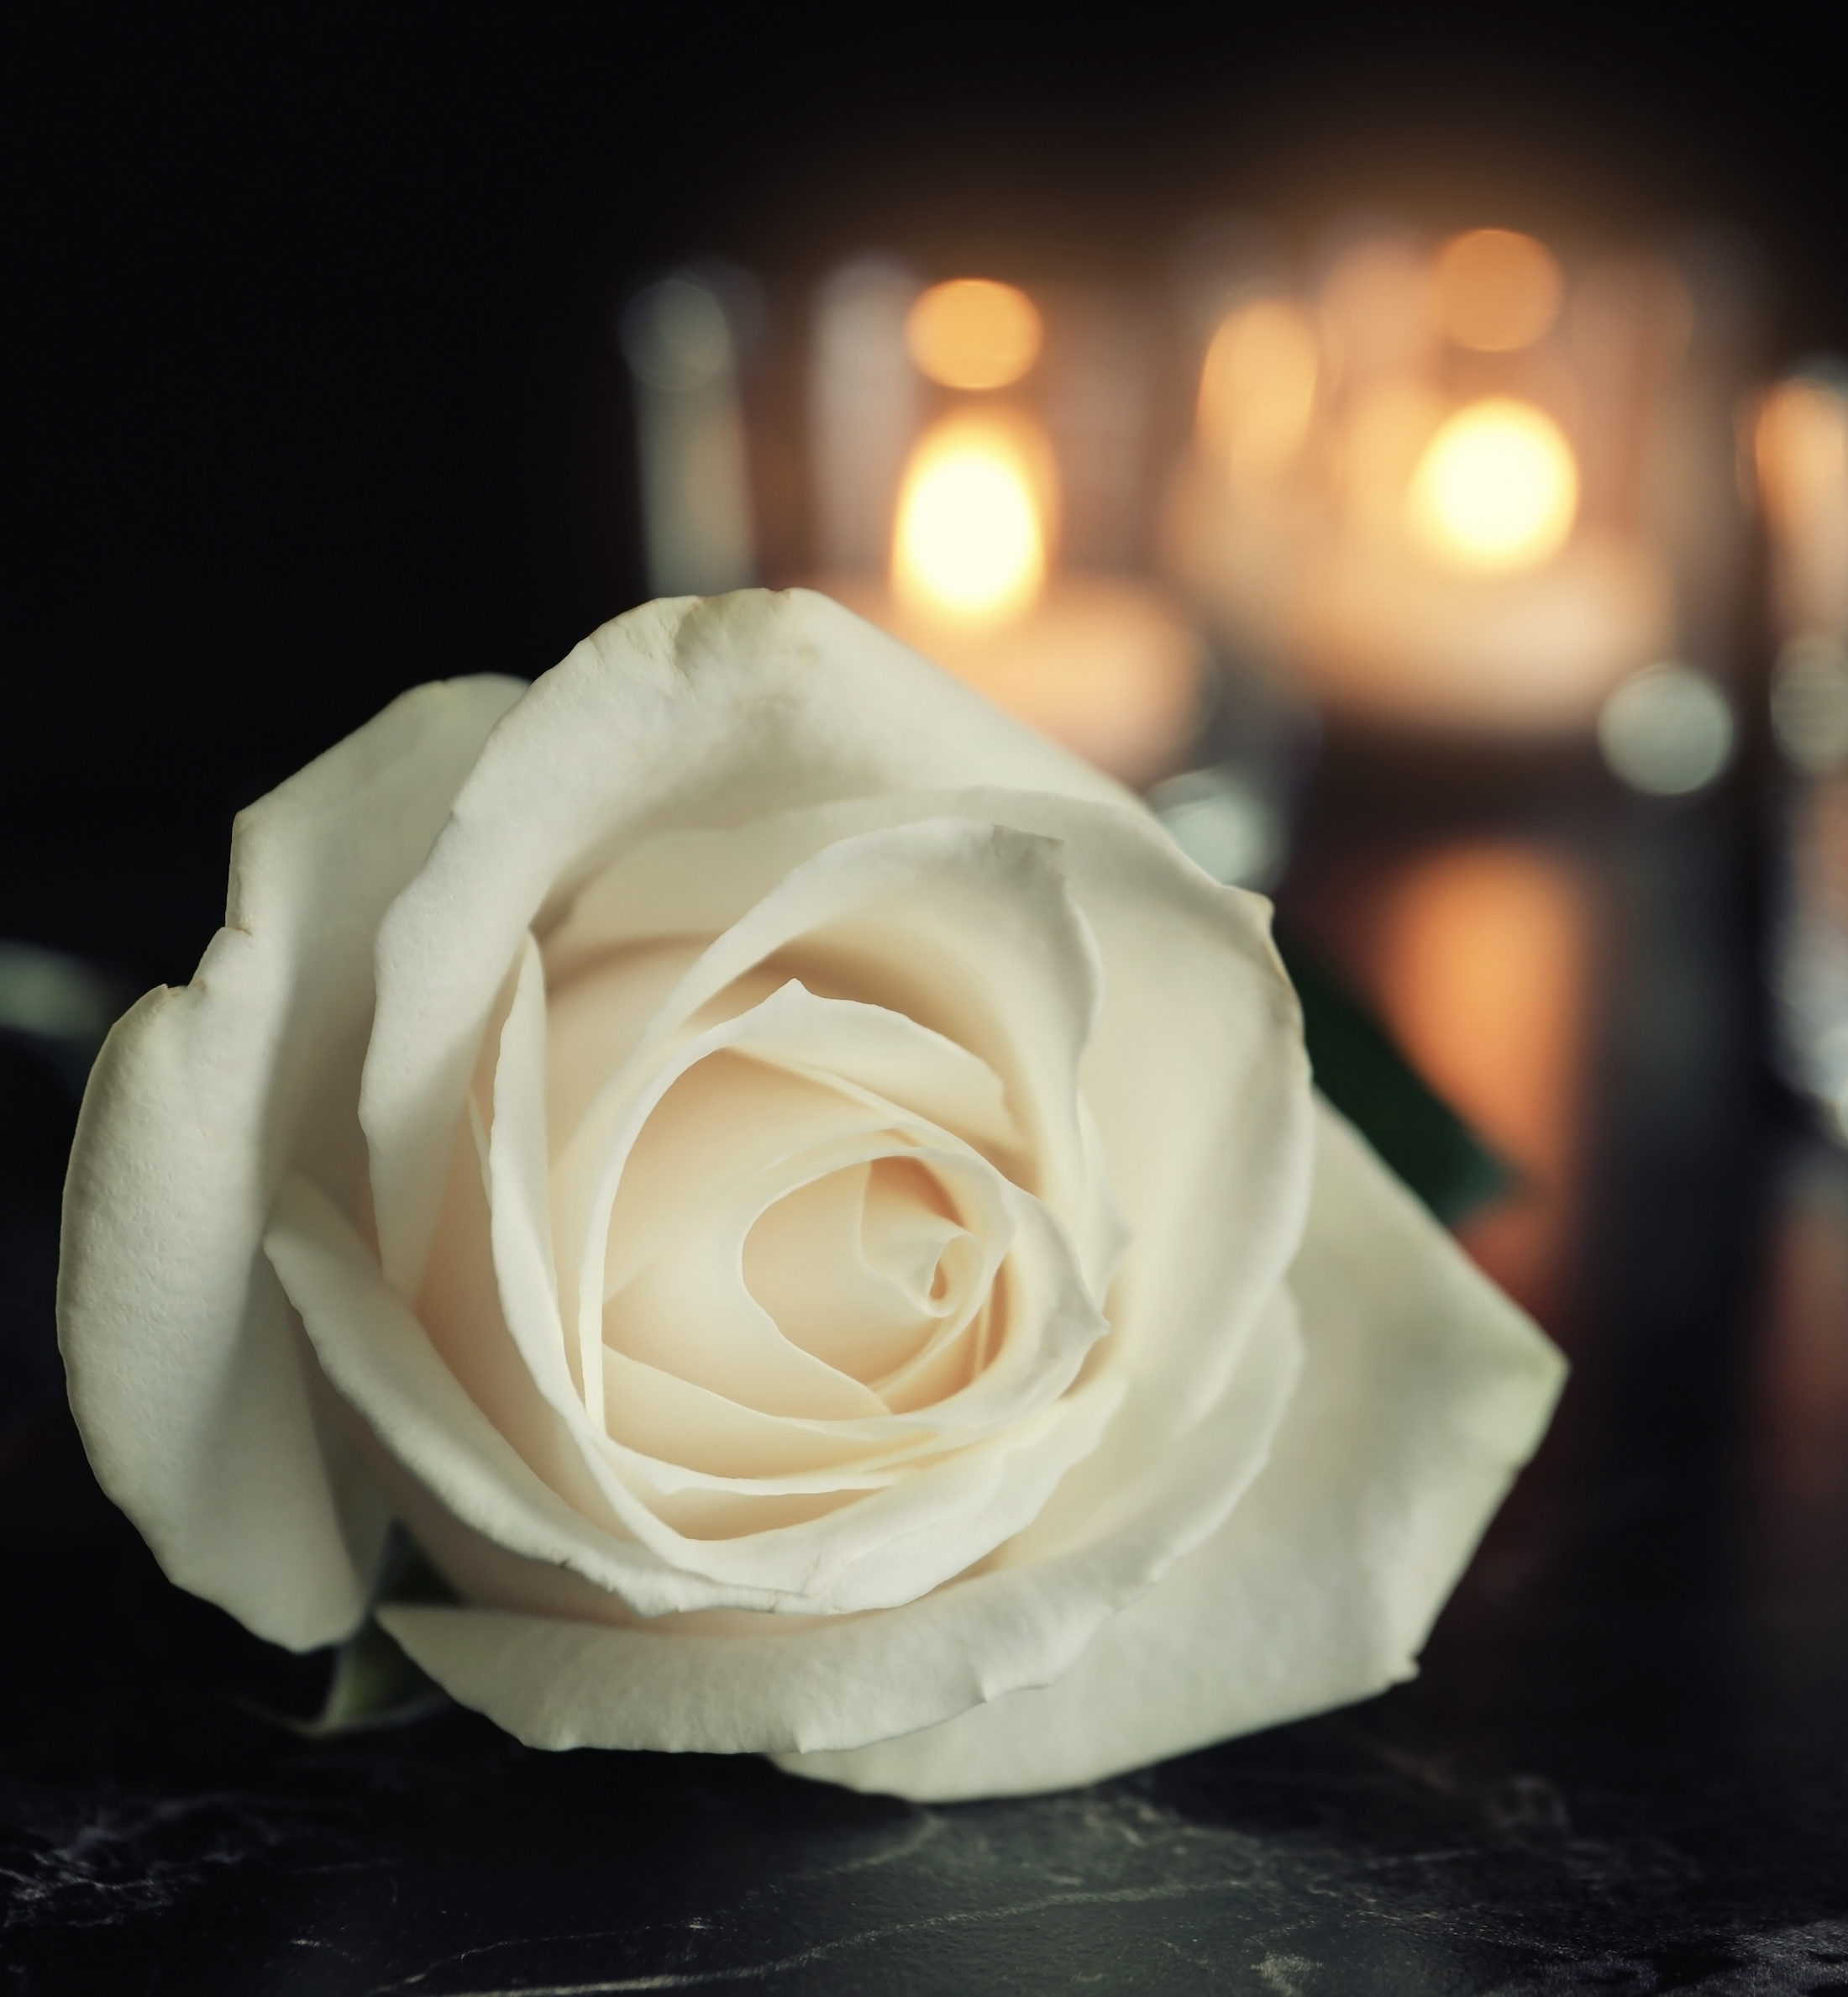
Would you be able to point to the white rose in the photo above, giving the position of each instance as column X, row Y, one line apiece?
column 809, row 1209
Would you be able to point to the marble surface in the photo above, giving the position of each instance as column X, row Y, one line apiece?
column 1624, row 1767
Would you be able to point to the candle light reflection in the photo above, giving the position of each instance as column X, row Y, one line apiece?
column 1257, row 387
column 1496, row 291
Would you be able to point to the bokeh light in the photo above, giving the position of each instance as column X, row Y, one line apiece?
column 970, row 544
column 1496, row 291
column 1497, row 488
column 1258, row 387
column 973, row 333
column 1810, row 703
column 1666, row 731
column 1801, row 447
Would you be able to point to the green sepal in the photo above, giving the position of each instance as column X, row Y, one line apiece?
column 374, row 1683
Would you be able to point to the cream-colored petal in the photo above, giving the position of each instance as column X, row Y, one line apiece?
column 653, row 1415
column 382, row 1361
column 969, row 930
column 860, row 1265
column 715, row 1149
column 677, row 1423
column 681, row 712
column 489, row 1302
column 504, row 1519
column 796, row 1031
column 596, row 1020
column 815, row 1688
column 460, row 1310
column 186, row 1374
column 689, row 1312
column 1425, row 1392
column 1196, row 1075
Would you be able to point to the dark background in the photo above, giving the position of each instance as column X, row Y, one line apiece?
column 316, row 394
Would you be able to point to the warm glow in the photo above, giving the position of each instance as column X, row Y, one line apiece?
column 1802, row 449
column 970, row 544
column 1496, row 291
column 1387, row 434
column 1497, row 488
column 1376, row 309
column 1803, row 443
column 973, row 333
column 1484, row 959
column 1257, row 387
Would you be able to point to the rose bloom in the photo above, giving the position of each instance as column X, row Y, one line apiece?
column 807, row 1208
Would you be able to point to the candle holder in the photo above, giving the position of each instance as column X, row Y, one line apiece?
column 980, row 458
column 1464, row 487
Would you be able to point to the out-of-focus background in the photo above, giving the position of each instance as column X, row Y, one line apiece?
column 1412, row 447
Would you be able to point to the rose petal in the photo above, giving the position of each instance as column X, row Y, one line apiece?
column 186, row 1377
column 595, row 1020
column 677, row 1423
column 488, row 1301
column 988, row 1499
column 1198, row 1016
column 1425, row 1392
column 893, row 1544
column 859, row 1266
column 380, row 1358
column 969, row 930
column 560, row 1683
column 795, row 1029
column 680, row 712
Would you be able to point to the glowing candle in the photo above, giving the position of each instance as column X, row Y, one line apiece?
column 1387, row 501
column 970, row 545
column 1497, row 488
column 973, row 333
column 1098, row 662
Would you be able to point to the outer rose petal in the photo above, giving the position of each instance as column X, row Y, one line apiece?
column 1424, row 1392
column 185, row 1373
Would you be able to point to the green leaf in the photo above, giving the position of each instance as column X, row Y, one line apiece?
column 1361, row 1070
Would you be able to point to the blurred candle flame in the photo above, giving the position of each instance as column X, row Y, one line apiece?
column 970, row 544
column 1497, row 487
column 1496, row 291
column 1258, row 387
column 1800, row 443
column 973, row 333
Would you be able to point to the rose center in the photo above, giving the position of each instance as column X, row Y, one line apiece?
column 861, row 1267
